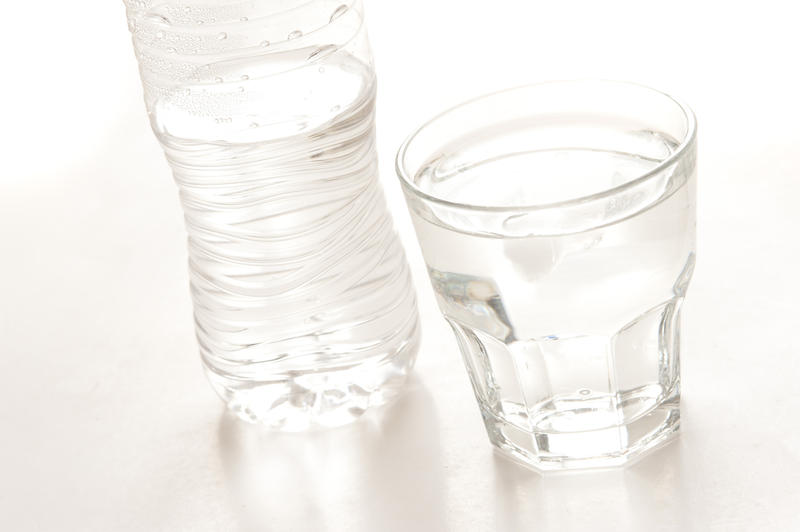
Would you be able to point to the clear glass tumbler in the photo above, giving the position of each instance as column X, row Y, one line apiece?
column 304, row 307
column 557, row 222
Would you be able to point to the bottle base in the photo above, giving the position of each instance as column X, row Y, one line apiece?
column 295, row 402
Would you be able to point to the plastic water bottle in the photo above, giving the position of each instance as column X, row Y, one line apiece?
column 304, row 307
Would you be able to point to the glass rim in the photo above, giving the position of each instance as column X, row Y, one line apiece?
column 407, row 181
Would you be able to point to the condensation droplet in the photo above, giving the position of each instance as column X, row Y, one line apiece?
column 321, row 70
column 243, row 19
column 245, row 77
column 584, row 391
column 322, row 51
column 171, row 50
column 295, row 34
column 212, row 20
column 241, row 89
column 253, row 125
column 222, row 36
column 159, row 35
column 218, row 79
column 199, row 22
column 187, row 9
column 264, row 44
column 338, row 12
column 158, row 19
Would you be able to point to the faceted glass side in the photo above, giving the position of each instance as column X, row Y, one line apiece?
column 589, row 401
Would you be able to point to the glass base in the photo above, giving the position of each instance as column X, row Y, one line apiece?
column 316, row 398
column 582, row 401
column 609, row 445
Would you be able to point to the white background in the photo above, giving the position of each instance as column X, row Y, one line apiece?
column 107, row 423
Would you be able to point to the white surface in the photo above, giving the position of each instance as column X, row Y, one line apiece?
column 108, row 424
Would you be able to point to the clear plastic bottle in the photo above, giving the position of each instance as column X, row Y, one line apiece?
column 304, row 306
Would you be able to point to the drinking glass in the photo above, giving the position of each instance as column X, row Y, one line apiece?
column 557, row 221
